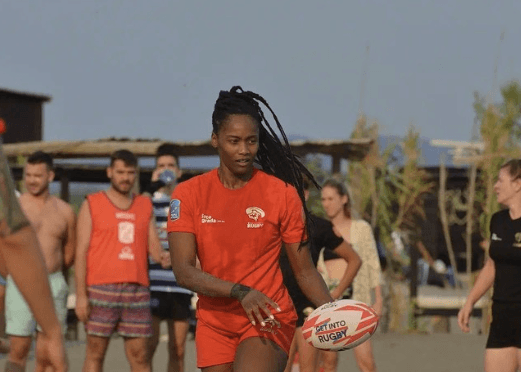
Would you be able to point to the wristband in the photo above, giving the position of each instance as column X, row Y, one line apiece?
column 239, row 291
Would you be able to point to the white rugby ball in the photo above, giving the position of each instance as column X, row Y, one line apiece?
column 340, row 325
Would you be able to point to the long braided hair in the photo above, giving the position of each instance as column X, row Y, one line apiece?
column 274, row 156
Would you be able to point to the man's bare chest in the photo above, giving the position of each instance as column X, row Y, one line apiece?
column 46, row 220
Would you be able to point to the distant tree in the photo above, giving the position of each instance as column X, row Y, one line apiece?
column 500, row 132
column 315, row 165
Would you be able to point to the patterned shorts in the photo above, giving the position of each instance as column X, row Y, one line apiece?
column 122, row 308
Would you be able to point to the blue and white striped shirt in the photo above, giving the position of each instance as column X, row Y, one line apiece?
column 162, row 280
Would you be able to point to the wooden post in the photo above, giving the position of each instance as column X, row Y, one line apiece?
column 442, row 205
column 136, row 188
column 413, row 289
column 470, row 217
column 64, row 186
column 374, row 197
column 336, row 164
column 20, row 160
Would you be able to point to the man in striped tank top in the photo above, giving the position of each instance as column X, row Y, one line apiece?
column 168, row 301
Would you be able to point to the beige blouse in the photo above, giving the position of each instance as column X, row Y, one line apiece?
column 370, row 274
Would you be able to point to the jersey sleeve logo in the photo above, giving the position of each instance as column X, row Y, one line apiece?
column 175, row 209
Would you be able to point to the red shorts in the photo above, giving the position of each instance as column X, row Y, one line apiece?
column 216, row 346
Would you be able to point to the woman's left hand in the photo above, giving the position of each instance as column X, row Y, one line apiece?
column 255, row 302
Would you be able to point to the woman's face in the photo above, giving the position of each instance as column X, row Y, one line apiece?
column 332, row 202
column 506, row 187
column 237, row 143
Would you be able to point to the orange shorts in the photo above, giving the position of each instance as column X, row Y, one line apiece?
column 216, row 346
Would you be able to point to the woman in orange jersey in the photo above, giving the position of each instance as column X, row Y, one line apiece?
column 235, row 219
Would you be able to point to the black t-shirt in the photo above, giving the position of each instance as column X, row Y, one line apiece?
column 321, row 236
column 505, row 250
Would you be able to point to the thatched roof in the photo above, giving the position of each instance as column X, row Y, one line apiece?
column 353, row 149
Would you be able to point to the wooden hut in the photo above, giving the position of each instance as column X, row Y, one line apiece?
column 23, row 114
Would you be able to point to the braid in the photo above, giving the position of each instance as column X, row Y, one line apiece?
column 274, row 156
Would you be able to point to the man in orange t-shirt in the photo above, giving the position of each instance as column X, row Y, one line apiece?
column 116, row 232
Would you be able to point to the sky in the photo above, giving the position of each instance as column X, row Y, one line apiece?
column 153, row 69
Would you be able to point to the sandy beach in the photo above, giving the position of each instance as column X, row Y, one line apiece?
column 393, row 353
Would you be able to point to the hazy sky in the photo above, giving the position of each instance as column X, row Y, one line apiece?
column 153, row 69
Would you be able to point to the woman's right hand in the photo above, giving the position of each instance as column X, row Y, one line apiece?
column 464, row 316
column 82, row 308
column 255, row 302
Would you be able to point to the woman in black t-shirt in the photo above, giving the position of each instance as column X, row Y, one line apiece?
column 503, row 271
column 321, row 236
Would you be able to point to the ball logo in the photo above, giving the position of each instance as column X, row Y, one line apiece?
column 255, row 213
column 340, row 325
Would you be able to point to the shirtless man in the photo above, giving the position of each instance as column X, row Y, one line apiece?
column 54, row 222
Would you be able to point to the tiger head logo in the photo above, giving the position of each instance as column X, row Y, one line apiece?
column 255, row 213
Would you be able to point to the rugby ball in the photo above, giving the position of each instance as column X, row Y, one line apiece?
column 340, row 325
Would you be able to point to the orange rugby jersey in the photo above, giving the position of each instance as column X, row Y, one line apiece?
column 239, row 234
column 118, row 248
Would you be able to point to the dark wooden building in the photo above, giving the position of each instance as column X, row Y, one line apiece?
column 23, row 115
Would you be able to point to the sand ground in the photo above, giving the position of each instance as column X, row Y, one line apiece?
column 393, row 353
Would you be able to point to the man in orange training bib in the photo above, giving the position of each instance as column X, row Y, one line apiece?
column 116, row 232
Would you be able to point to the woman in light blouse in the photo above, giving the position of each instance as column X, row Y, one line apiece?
column 367, row 283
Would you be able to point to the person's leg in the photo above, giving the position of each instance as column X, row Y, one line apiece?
column 329, row 360
column 4, row 345
column 137, row 354
column 2, row 307
column 178, row 327
column 291, row 355
column 153, row 341
column 228, row 367
column 177, row 332
column 19, row 349
column 20, row 325
column 257, row 354
column 364, row 357
column 501, row 360
column 95, row 353
column 308, row 355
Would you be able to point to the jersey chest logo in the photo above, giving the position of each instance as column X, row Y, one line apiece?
column 256, row 214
